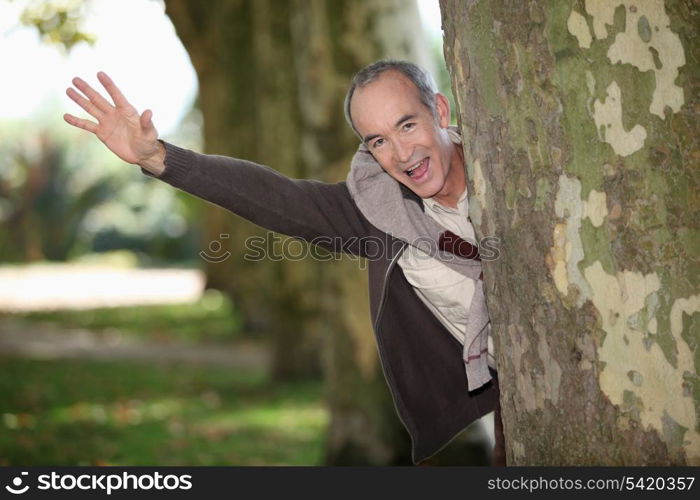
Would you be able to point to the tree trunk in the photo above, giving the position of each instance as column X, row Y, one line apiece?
column 272, row 76
column 582, row 145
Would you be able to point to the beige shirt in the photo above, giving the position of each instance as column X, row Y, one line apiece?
column 446, row 292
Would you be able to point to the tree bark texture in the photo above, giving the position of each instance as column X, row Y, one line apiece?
column 582, row 142
column 272, row 78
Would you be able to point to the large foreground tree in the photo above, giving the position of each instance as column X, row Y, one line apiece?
column 582, row 127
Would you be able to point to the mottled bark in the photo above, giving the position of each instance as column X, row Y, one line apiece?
column 272, row 76
column 582, row 143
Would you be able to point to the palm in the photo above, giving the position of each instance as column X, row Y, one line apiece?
column 131, row 137
column 121, row 132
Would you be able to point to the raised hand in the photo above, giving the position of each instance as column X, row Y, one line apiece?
column 131, row 137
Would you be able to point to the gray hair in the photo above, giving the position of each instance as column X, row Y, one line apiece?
column 421, row 79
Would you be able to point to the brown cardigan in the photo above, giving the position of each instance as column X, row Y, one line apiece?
column 421, row 361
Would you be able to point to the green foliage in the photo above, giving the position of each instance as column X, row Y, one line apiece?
column 61, row 198
column 58, row 21
column 118, row 413
column 45, row 202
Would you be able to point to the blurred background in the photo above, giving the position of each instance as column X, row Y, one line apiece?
column 132, row 330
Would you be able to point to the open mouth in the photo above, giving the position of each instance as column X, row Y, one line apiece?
column 419, row 170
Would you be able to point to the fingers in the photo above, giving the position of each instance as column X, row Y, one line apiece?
column 145, row 119
column 114, row 92
column 95, row 98
column 81, row 123
column 88, row 106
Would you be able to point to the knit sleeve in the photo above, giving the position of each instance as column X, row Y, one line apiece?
column 320, row 213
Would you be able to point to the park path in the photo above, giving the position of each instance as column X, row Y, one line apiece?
column 37, row 341
column 37, row 287
column 79, row 286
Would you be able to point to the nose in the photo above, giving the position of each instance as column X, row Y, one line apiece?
column 402, row 151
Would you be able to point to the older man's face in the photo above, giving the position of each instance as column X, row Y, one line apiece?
column 407, row 139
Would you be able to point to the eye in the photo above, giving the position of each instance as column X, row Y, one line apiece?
column 409, row 126
column 377, row 143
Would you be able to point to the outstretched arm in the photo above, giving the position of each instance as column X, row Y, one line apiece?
column 315, row 211
column 131, row 137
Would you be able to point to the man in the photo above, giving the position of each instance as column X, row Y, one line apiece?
column 403, row 207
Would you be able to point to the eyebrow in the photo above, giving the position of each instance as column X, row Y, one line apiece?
column 404, row 118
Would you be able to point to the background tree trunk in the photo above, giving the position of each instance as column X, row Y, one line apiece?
column 273, row 75
column 582, row 144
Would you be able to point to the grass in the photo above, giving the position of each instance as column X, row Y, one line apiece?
column 121, row 413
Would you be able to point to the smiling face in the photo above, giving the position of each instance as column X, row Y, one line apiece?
column 407, row 139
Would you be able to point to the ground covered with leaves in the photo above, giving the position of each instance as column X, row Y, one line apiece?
column 68, row 412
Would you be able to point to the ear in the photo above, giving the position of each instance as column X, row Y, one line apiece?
column 443, row 110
